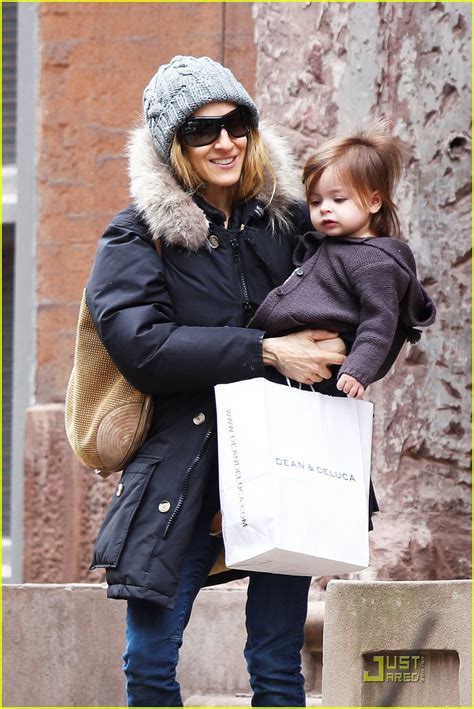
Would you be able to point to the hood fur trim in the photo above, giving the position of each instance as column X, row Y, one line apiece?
column 171, row 213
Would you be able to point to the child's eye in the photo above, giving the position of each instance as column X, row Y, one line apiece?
column 315, row 202
column 339, row 200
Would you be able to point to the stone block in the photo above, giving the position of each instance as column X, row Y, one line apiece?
column 397, row 644
column 63, row 644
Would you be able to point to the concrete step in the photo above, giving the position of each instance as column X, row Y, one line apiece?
column 237, row 700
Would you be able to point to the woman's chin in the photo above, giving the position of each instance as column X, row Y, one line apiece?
column 224, row 180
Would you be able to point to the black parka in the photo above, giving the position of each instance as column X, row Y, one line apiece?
column 174, row 324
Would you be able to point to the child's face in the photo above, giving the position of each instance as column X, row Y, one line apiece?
column 335, row 210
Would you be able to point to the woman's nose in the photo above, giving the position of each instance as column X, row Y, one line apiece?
column 224, row 140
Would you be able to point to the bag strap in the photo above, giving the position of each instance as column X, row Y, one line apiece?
column 288, row 381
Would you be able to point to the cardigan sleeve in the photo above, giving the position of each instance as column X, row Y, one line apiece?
column 380, row 286
column 133, row 314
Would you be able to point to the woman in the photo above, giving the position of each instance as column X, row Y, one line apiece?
column 176, row 279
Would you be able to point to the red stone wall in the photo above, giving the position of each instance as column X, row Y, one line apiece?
column 95, row 60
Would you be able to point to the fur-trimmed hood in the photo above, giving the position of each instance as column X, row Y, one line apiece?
column 171, row 213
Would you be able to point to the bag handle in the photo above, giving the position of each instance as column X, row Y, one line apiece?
column 288, row 381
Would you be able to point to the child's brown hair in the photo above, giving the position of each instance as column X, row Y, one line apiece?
column 370, row 161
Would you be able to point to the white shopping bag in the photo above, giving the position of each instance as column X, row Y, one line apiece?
column 294, row 470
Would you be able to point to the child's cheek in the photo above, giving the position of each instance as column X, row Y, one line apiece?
column 313, row 217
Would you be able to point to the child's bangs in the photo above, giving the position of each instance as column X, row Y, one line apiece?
column 352, row 168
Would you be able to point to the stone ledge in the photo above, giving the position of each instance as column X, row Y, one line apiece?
column 72, row 631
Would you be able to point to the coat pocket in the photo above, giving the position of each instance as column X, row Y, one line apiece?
column 127, row 497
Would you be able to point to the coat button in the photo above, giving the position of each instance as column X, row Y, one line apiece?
column 214, row 242
column 119, row 490
column 164, row 506
column 279, row 291
column 199, row 419
column 299, row 272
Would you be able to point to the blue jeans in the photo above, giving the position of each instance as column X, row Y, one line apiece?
column 275, row 616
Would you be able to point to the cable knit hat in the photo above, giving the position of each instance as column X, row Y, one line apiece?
column 179, row 88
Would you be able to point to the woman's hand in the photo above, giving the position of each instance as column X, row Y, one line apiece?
column 304, row 356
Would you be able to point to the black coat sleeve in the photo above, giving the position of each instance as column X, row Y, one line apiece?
column 133, row 313
column 301, row 218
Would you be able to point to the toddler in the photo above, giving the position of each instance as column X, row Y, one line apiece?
column 353, row 275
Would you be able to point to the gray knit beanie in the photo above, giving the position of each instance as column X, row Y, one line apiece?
column 180, row 88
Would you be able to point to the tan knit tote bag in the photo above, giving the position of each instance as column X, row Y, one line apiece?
column 107, row 419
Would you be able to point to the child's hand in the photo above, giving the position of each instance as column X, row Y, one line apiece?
column 350, row 386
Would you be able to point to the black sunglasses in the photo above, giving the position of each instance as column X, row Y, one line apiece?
column 204, row 130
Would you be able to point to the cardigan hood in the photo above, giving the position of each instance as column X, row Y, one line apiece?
column 171, row 213
column 416, row 309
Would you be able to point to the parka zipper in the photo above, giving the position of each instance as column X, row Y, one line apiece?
column 184, row 489
column 234, row 243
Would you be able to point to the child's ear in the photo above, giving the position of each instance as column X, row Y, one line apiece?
column 375, row 203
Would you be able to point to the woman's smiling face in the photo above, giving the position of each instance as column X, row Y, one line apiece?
column 219, row 164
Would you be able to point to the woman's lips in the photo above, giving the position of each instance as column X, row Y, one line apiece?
column 224, row 163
